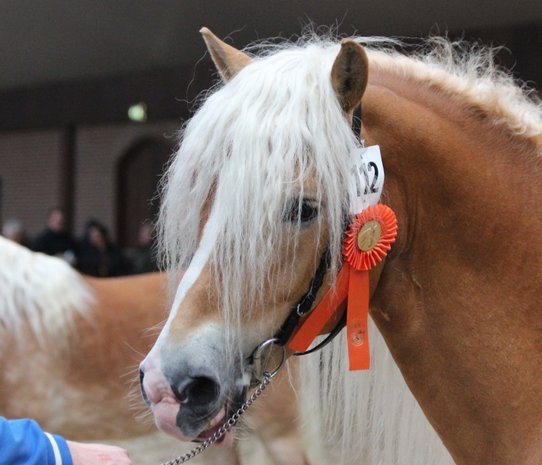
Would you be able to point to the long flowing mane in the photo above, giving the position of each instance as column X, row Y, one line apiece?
column 253, row 142
column 468, row 72
column 238, row 154
column 39, row 293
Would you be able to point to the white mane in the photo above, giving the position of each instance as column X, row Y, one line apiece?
column 243, row 146
column 246, row 152
column 38, row 292
column 469, row 72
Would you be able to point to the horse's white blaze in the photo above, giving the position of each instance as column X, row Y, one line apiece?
column 201, row 258
column 193, row 272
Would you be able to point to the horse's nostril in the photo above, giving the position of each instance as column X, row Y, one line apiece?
column 182, row 396
column 200, row 391
column 143, row 393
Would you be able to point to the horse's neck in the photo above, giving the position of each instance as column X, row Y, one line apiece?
column 458, row 301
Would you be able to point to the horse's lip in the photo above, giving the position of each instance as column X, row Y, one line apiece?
column 223, row 416
column 213, row 426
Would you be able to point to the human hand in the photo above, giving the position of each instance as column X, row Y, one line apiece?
column 97, row 454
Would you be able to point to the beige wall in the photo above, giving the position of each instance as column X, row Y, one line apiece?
column 99, row 150
column 30, row 174
column 30, row 171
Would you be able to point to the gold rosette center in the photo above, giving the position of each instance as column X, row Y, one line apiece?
column 369, row 235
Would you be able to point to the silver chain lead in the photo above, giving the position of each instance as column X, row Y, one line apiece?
column 226, row 426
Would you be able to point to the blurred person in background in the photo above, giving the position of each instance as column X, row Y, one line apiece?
column 143, row 257
column 97, row 255
column 55, row 239
column 13, row 229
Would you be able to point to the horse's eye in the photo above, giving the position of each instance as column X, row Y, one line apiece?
column 303, row 212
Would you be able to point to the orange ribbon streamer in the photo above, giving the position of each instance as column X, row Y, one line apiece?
column 357, row 315
column 353, row 286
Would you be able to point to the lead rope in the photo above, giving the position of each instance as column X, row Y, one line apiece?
column 229, row 424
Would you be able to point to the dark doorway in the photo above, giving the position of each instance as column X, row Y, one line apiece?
column 138, row 174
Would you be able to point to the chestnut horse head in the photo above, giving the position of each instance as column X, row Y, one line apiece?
column 258, row 193
column 267, row 190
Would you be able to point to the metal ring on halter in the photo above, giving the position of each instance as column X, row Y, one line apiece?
column 257, row 368
column 299, row 311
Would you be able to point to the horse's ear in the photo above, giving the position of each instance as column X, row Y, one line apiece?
column 349, row 74
column 227, row 59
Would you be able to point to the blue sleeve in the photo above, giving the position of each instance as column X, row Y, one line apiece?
column 23, row 442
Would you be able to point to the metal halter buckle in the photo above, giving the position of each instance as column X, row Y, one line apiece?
column 258, row 362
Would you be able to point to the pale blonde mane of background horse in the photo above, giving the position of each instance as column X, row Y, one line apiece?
column 30, row 298
column 371, row 417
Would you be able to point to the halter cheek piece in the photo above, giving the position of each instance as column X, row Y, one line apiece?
column 303, row 307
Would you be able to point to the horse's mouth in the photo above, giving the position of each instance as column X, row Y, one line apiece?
column 216, row 425
column 225, row 415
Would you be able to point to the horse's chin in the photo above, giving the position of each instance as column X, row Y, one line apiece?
column 165, row 417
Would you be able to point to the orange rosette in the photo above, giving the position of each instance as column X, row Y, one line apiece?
column 369, row 237
column 368, row 240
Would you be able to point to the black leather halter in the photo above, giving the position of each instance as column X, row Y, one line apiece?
column 357, row 121
column 304, row 307
column 305, row 304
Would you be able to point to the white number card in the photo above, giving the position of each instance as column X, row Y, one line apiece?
column 367, row 178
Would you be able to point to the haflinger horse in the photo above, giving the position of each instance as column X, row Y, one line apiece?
column 70, row 344
column 69, row 350
column 257, row 197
